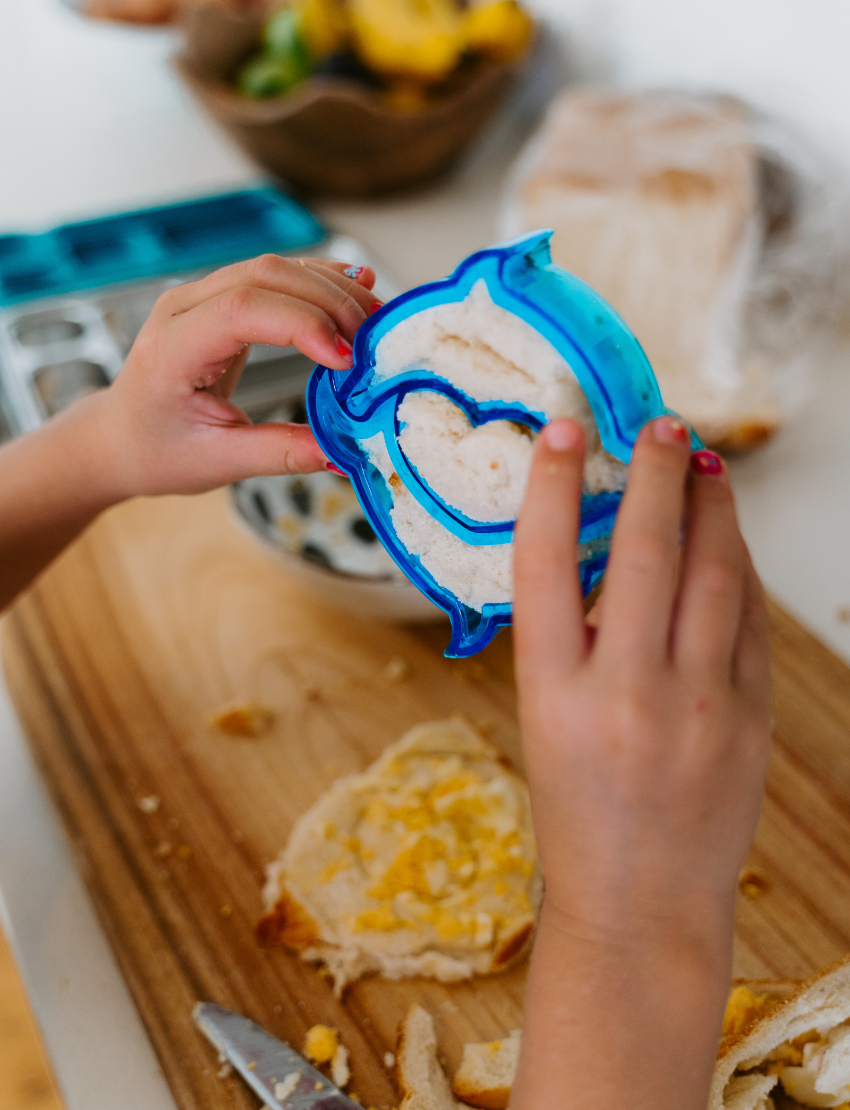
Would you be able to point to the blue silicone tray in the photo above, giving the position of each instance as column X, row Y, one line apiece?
column 346, row 408
column 132, row 246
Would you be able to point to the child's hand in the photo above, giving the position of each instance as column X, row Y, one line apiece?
column 646, row 740
column 165, row 425
column 167, row 420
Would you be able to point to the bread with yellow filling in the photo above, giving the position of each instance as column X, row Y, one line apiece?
column 423, row 864
column 786, row 1044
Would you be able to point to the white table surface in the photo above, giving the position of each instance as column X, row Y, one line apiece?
column 92, row 120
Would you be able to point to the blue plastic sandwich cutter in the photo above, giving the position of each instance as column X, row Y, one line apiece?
column 345, row 408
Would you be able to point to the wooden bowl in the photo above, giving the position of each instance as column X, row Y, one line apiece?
column 331, row 135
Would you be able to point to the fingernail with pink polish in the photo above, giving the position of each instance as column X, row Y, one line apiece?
column 335, row 469
column 669, row 429
column 343, row 346
column 562, row 435
column 706, row 462
column 354, row 272
column 375, row 305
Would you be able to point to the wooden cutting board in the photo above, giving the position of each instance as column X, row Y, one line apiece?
column 166, row 611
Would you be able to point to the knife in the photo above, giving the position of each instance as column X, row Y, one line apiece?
column 264, row 1062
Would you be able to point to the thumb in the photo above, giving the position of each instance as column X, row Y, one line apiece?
column 249, row 450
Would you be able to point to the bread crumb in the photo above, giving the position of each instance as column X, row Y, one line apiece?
column 251, row 1066
column 319, row 1085
column 397, row 670
column 226, row 910
column 226, row 1067
column 752, row 883
column 340, row 1071
column 162, row 850
column 389, row 1059
column 150, row 804
column 184, row 851
column 245, row 719
column 842, row 614
column 284, row 1089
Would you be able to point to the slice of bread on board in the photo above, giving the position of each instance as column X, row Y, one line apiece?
column 423, row 864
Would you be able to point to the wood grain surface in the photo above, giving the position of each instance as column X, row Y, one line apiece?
column 166, row 611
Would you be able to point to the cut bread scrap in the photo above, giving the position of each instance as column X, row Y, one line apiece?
column 785, row 1043
column 487, row 1072
column 423, row 864
column 786, row 1039
column 421, row 1079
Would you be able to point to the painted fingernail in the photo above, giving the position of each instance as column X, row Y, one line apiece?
column 374, row 306
column 343, row 346
column 354, row 272
column 562, row 435
column 669, row 429
column 335, row 469
column 706, row 462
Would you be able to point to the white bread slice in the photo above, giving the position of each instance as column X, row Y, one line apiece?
column 653, row 200
column 487, row 1071
column 421, row 1079
column 423, row 864
column 819, row 1006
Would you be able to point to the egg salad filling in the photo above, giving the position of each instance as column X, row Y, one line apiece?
column 442, row 849
column 811, row 1070
column 426, row 856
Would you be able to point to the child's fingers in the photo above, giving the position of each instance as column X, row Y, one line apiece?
column 364, row 276
column 548, row 612
column 204, row 340
column 244, row 451
column 711, row 584
column 641, row 575
column 752, row 651
column 342, row 298
column 229, row 380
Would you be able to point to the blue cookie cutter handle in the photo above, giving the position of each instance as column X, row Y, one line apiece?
column 346, row 408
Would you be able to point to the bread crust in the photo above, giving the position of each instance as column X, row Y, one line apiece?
column 801, row 1005
column 288, row 924
column 420, row 1077
column 495, row 1098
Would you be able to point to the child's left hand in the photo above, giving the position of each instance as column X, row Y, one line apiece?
column 168, row 417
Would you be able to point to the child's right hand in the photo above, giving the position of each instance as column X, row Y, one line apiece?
column 646, row 742
column 167, row 422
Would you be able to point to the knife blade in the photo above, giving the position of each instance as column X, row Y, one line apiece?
column 264, row 1062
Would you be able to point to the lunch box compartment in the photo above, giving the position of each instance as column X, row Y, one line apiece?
column 60, row 384
column 41, row 329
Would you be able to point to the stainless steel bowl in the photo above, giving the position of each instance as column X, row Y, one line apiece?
column 316, row 526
